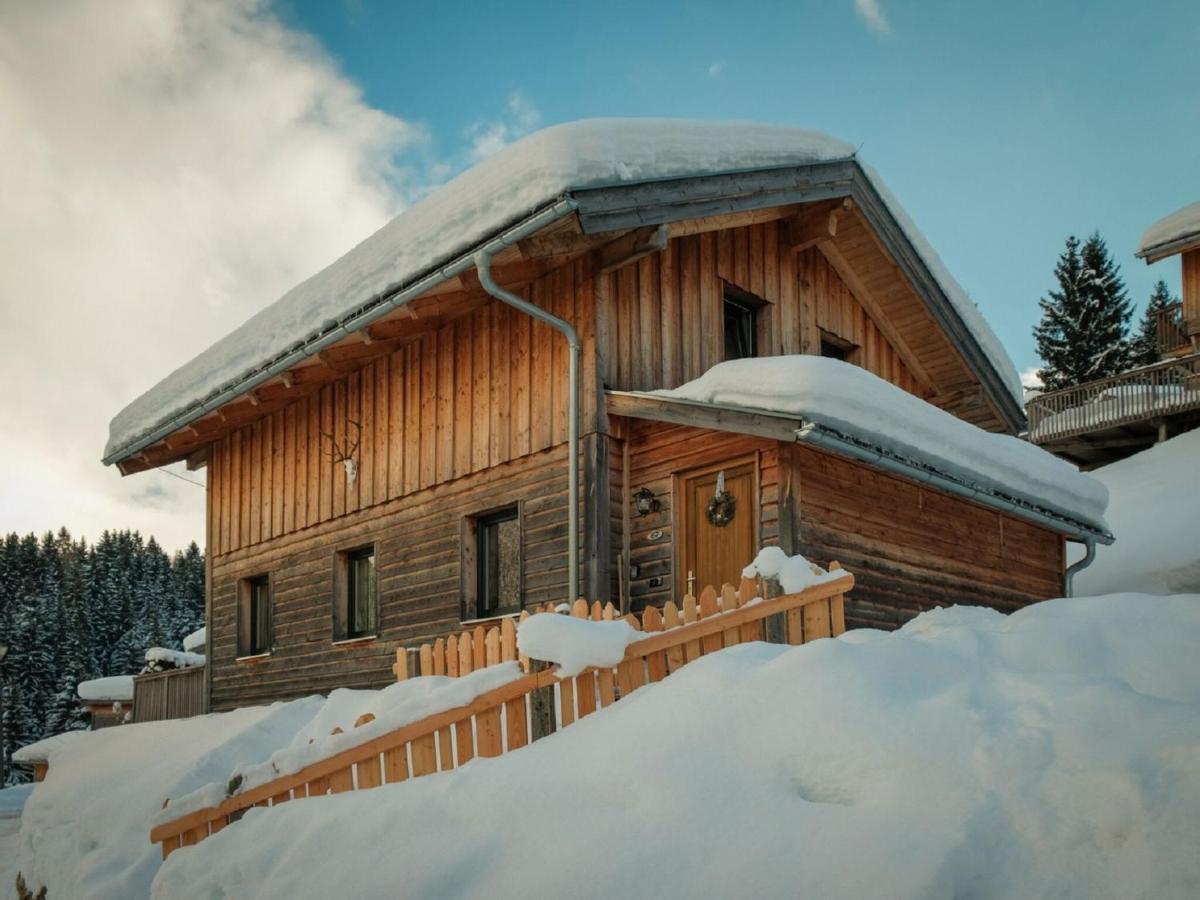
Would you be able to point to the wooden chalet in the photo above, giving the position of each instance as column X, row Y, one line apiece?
column 1101, row 421
column 387, row 446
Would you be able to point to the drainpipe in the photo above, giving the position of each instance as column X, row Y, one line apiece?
column 483, row 262
column 1089, row 557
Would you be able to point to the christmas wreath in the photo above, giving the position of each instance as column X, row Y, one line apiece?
column 720, row 508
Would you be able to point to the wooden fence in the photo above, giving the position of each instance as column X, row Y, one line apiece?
column 173, row 694
column 509, row 717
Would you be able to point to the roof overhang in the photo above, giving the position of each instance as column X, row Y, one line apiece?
column 1170, row 248
column 797, row 428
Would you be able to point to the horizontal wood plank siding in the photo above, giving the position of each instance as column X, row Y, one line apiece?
column 419, row 570
column 912, row 548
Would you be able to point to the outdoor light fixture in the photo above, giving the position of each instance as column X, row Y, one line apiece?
column 644, row 501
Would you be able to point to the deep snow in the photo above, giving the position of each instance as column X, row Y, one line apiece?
column 1055, row 752
column 497, row 193
column 1154, row 510
column 849, row 399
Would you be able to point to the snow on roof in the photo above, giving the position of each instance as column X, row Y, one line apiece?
column 1155, row 520
column 114, row 687
column 519, row 180
column 196, row 640
column 1178, row 226
column 853, row 401
column 40, row 751
column 180, row 659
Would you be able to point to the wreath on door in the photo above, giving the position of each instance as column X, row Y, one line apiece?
column 723, row 504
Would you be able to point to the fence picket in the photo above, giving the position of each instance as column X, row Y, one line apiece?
column 452, row 656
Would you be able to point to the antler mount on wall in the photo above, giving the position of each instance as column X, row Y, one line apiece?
column 345, row 456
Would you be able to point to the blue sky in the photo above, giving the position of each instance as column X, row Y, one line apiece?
column 1001, row 127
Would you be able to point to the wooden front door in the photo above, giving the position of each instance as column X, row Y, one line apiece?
column 709, row 553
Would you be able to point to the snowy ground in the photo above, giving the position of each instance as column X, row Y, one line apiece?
column 1055, row 752
column 1154, row 512
column 12, row 800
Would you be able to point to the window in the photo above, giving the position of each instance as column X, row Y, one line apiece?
column 492, row 569
column 741, row 326
column 357, row 599
column 835, row 347
column 254, row 616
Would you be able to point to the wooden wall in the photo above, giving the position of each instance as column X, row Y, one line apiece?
column 912, row 548
column 485, row 389
column 419, row 570
column 661, row 319
column 657, row 452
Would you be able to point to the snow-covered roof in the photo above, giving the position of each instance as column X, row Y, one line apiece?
column 196, row 640
column 1171, row 234
column 40, row 751
column 112, row 688
column 854, row 402
column 527, row 177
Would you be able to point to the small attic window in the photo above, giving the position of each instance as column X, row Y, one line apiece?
column 741, row 326
column 834, row 347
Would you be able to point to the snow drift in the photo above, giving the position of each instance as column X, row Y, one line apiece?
column 1055, row 752
column 1154, row 509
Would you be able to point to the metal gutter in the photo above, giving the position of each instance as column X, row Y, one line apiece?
column 819, row 436
column 483, row 263
column 375, row 308
column 1088, row 558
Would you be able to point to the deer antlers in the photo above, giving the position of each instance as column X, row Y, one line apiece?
column 345, row 457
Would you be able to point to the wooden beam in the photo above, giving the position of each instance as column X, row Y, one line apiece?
column 702, row 415
column 631, row 247
column 816, row 224
column 830, row 251
column 198, row 459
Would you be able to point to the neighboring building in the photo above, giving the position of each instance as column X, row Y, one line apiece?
column 109, row 701
column 387, row 444
column 1113, row 418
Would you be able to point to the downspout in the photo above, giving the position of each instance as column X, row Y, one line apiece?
column 483, row 263
column 1089, row 557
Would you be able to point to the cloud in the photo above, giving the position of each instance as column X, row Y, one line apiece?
column 716, row 69
column 872, row 16
column 162, row 181
column 1030, row 379
column 485, row 137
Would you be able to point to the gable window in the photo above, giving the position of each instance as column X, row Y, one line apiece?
column 835, row 347
column 356, row 597
column 254, row 616
column 492, row 564
column 741, row 326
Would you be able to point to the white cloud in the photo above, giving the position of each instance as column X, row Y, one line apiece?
column 872, row 16
column 716, row 69
column 163, row 179
column 520, row 117
column 1030, row 379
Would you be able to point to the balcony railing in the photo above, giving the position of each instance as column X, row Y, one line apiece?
column 1139, row 395
column 1171, row 329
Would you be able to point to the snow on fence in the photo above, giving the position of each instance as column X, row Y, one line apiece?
column 1167, row 387
column 538, row 703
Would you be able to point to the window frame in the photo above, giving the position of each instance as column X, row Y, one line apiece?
column 759, row 311
column 343, row 596
column 472, row 561
column 847, row 350
column 245, row 613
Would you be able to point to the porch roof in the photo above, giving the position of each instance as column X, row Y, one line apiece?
column 854, row 443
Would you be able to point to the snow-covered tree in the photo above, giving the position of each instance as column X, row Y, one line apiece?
column 1083, row 333
column 1145, row 340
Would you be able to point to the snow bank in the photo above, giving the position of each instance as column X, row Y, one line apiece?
column 12, row 800
column 1154, row 508
column 177, row 659
column 393, row 707
column 575, row 644
column 112, row 688
column 793, row 573
column 194, row 642
column 852, row 400
column 1053, row 753
column 1180, row 224
column 85, row 829
column 499, row 192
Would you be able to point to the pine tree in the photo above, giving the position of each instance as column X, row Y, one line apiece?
column 1145, row 341
column 1083, row 333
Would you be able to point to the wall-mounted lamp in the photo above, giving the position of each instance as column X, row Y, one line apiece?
column 644, row 501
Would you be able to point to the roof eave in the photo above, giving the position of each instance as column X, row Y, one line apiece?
column 1169, row 248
